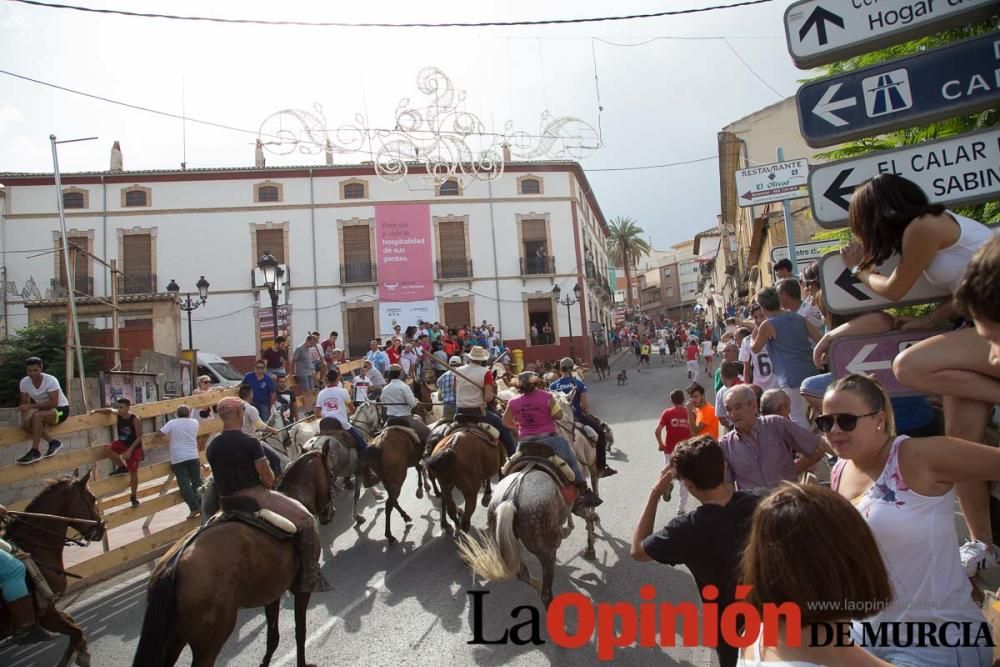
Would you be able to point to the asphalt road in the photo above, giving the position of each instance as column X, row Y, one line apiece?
column 409, row 603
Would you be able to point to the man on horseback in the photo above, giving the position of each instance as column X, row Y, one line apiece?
column 475, row 388
column 241, row 469
column 17, row 599
column 581, row 411
column 533, row 414
column 335, row 402
column 399, row 401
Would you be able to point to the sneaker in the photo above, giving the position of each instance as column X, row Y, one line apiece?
column 119, row 470
column 976, row 556
column 32, row 456
column 134, row 501
column 608, row 472
column 54, row 446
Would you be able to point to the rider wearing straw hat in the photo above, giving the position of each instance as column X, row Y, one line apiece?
column 474, row 389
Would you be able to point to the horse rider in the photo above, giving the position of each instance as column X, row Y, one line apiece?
column 253, row 423
column 335, row 403
column 533, row 414
column 474, row 389
column 399, row 401
column 581, row 411
column 17, row 598
column 241, row 469
column 446, row 390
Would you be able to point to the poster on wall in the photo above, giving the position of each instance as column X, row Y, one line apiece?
column 405, row 314
column 265, row 325
column 136, row 387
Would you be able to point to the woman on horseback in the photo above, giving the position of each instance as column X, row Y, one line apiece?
column 533, row 414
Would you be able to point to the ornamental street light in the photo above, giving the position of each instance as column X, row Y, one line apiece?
column 268, row 265
column 568, row 301
column 189, row 305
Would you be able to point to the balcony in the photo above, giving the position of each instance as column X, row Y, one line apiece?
column 538, row 266
column 60, row 288
column 591, row 271
column 137, row 283
column 448, row 269
column 357, row 272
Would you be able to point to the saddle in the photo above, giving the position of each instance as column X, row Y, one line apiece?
column 405, row 429
column 537, row 455
column 484, row 430
column 246, row 510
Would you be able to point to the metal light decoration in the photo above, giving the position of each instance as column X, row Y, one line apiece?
column 440, row 136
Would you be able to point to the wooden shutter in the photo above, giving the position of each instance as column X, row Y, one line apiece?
column 357, row 247
column 457, row 313
column 530, row 186
column 533, row 230
column 540, row 306
column 83, row 284
column 137, row 253
column 451, row 235
column 272, row 241
column 360, row 330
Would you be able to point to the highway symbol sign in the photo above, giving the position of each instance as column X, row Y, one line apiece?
column 846, row 295
column 825, row 31
column 964, row 169
column 873, row 355
column 805, row 252
column 950, row 81
column 772, row 182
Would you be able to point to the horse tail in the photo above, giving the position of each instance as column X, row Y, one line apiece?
column 158, row 624
column 494, row 557
column 442, row 463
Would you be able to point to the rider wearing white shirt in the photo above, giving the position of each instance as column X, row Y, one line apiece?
column 399, row 401
column 335, row 403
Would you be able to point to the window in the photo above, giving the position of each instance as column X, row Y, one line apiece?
column 540, row 319
column 357, row 265
column 79, row 263
column 453, row 259
column 457, row 313
column 137, row 266
column 136, row 196
column 354, row 189
column 449, row 188
column 270, row 241
column 75, row 198
column 530, row 185
column 670, row 291
column 535, row 257
column 267, row 192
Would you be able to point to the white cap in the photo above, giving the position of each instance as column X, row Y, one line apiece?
column 455, row 361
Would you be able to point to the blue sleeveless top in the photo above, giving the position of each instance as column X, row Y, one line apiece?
column 790, row 350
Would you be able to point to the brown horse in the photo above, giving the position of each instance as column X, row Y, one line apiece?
column 201, row 583
column 44, row 539
column 390, row 456
column 467, row 461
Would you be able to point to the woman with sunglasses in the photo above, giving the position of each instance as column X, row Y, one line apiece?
column 904, row 489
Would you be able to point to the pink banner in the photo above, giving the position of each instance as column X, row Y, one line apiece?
column 403, row 244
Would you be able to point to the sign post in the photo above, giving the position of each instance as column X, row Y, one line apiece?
column 772, row 182
column 786, row 209
column 846, row 295
column 819, row 32
column 941, row 83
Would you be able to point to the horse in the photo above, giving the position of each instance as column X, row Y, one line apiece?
column 530, row 510
column 44, row 540
column 390, row 456
column 200, row 584
column 464, row 459
column 583, row 447
column 302, row 432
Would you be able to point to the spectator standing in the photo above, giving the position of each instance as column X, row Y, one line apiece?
column 759, row 450
column 730, row 352
column 394, row 351
column 43, row 404
column 183, row 434
column 783, row 269
column 730, row 371
column 126, row 449
column 329, row 345
column 317, row 356
column 775, row 402
column 700, row 414
column 708, row 352
column 303, row 367
column 276, row 357
column 409, row 360
column 446, row 390
column 285, row 403
column 675, row 425
column 790, row 298
column 710, row 540
column 378, row 358
column 263, row 388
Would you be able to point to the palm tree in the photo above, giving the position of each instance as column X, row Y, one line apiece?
column 627, row 247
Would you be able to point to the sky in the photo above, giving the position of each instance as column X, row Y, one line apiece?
column 667, row 85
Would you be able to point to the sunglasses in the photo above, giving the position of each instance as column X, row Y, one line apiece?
column 846, row 422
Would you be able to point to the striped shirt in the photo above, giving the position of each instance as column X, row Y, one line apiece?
column 446, row 387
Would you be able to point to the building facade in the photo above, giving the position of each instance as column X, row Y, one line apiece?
column 497, row 249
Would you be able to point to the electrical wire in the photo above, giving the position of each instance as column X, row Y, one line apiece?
column 655, row 166
column 751, row 70
column 345, row 24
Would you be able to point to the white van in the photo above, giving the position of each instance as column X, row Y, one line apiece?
column 220, row 370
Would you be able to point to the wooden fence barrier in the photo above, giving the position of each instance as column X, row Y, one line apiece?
column 113, row 492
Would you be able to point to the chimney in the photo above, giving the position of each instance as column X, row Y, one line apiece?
column 116, row 158
column 329, row 153
column 506, row 153
column 259, row 155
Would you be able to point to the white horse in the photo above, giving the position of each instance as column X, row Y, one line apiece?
column 584, row 447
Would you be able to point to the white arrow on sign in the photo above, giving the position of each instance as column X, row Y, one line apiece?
column 860, row 363
column 827, row 105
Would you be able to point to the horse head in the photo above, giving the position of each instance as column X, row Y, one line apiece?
column 367, row 419
column 72, row 498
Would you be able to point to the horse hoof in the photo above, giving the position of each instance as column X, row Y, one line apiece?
column 358, row 519
column 391, row 540
column 83, row 659
column 590, row 554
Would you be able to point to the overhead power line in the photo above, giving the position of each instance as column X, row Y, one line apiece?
column 363, row 24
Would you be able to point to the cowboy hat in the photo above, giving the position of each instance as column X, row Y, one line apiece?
column 479, row 353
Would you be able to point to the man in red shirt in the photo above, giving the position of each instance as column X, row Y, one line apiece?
column 674, row 421
column 691, row 353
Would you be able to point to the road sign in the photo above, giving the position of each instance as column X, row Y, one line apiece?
column 845, row 294
column 804, row 252
column 825, row 31
column 942, row 83
column 873, row 355
column 958, row 170
column 772, row 182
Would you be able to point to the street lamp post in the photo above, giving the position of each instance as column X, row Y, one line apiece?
column 268, row 265
column 568, row 301
column 189, row 305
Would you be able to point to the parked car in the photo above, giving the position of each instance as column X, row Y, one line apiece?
column 221, row 371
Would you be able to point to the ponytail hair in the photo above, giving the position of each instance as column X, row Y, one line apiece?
column 872, row 393
column 879, row 213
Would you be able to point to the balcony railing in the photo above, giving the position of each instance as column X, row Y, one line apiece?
column 454, row 268
column 590, row 270
column 60, row 287
column 357, row 272
column 533, row 266
column 137, row 283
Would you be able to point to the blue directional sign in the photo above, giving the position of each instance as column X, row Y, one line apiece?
column 942, row 83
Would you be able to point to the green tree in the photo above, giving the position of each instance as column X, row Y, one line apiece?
column 44, row 339
column 989, row 212
column 627, row 247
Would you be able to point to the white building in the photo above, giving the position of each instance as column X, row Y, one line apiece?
column 498, row 248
